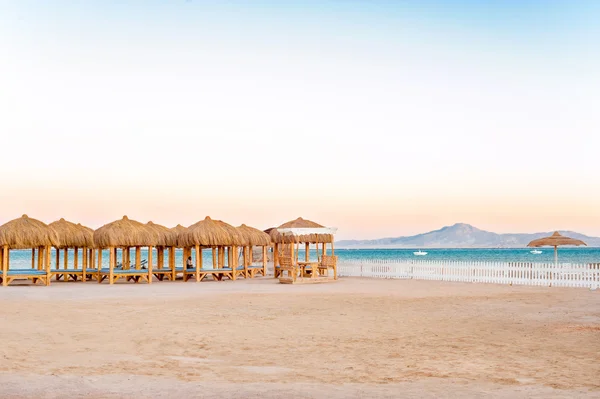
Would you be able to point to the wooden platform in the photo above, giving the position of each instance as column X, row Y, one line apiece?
column 306, row 280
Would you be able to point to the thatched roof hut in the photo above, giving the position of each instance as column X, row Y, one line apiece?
column 209, row 232
column 166, row 236
column 125, row 233
column 26, row 233
column 178, row 231
column 255, row 236
column 71, row 235
column 279, row 238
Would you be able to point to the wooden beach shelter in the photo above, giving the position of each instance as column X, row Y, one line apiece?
column 76, row 237
column 27, row 233
column 555, row 240
column 218, row 236
column 167, row 239
column 125, row 234
column 304, row 232
column 254, row 237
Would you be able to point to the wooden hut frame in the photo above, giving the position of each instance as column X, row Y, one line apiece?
column 75, row 236
column 125, row 234
column 258, row 238
column 219, row 237
column 167, row 239
column 288, row 244
column 26, row 233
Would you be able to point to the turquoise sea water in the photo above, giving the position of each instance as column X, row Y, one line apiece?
column 22, row 259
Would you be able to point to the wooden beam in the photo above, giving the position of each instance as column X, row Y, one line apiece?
column 99, row 264
column 40, row 252
column 198, row 256
column 138, row 260
column 264, row 255
column 150, row 264
column 33, row 258
column 66, row 258
column 5, row 260
column 76, row 258
column 214, row 256
column 47, row 255
column 307, row 250
column 111, row 264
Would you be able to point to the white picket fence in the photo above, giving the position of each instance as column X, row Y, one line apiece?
column 543, row 274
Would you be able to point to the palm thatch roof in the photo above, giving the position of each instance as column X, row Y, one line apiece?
column 25, row 233
column 178, row 231
column 255, row 236
column 166, row 236
column 125, row 233
column 89, row 232
column 555, row 240
column 71, row 235
column 277, row 237
column 209, row 232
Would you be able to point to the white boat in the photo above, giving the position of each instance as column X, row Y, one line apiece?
column 536, row 252
column 420, row 253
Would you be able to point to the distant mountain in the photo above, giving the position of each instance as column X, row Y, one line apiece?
column 461, row 235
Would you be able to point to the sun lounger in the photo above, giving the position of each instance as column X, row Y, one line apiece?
column 217, row 274
column 26, row 274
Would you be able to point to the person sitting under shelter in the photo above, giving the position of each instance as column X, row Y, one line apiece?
column 189, row 264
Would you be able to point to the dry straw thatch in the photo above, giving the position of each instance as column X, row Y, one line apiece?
column 209, row 232
column 25, row 233
column 178, row 231
column 125, row 233
column 279, row 238
column 71, row 235
column 555, row 240
column 166, row 236
column 255, row 236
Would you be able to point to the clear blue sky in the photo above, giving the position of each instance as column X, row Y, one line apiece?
column 379, row 117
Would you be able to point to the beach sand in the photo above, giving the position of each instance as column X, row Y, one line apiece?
column 355, row 338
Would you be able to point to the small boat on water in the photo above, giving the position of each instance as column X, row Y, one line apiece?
column 420, row 253
column 536, row 252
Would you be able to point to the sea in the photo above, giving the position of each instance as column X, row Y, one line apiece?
column 22, row 258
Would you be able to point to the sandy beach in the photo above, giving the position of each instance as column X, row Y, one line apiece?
column 355, row 338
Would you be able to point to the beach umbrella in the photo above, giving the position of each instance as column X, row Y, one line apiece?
column 555, row 240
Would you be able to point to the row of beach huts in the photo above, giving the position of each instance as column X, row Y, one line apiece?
column 237, row 252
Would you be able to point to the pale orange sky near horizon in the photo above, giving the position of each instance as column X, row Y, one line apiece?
column 379, row 118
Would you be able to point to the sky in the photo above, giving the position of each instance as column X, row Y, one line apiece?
column 381, row 118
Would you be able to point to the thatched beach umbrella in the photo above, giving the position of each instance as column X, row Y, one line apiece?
column 555, row 240
column 27, row 233
column 259, row 238
column 125, row 233
column 75, row 236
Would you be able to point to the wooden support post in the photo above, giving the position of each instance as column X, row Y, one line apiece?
column 332, row 249
column 111, row 264
column 275, row 260
column 66, row 258
column 172, row 263
column 5, row 258
column 33, row 258
column 40, row 252
column 214, row 256
column 198, row 256
column 221, row 257
column 307, row 251
column 76, row 258
column 57, row 258
column 84, row 254
column 200, row 264
column 138, row 260
column 161, row 257
column 264, row 256
column 150, row 264
column 99, row 264
column 324, row 249
column 47, row 255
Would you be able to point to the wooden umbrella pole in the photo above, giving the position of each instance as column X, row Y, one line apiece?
column 555, row 255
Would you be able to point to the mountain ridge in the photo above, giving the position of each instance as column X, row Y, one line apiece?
column 462, row 235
